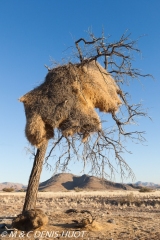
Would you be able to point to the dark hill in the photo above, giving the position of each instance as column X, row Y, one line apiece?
column 67, row 181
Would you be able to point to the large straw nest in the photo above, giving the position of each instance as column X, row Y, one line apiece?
column 67, row 100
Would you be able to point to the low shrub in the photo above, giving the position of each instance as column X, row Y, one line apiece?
column 145, row 189
column 130, row 197
column 8, row 189
column 77, row 189
column 22, row 190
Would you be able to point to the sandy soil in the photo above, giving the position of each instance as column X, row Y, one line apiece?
column 118, row 215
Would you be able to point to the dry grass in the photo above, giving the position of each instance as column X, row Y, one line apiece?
column 112, row 221
column 111, row 193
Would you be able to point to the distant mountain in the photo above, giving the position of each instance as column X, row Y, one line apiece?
column 16, row 186
column 141, row 184
column 68, row 181
column 147, row 184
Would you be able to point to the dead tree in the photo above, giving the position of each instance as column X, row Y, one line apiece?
column 116, row 58
column 63, row 109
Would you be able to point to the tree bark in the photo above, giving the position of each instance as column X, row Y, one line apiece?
column 33, row 184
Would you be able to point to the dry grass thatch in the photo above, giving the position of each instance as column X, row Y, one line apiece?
column 30, row 220
column 67, row 100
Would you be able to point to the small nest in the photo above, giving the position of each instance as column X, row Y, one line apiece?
column 30, row 220
column 67, row 100
column 87, row 222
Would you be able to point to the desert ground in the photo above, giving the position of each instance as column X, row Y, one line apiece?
column 117, row 214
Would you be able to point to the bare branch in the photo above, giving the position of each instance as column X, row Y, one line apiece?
column 117, row 56
column 96, row 152
column 47, row 67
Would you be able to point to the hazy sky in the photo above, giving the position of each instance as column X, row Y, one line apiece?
column 33, row 31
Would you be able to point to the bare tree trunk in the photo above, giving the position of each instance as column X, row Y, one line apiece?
column 33, row 184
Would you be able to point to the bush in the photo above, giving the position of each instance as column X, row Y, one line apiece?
column 22, row 190
column 77, row 189
column 130, row 197
column 8, row 189
column 145, row 189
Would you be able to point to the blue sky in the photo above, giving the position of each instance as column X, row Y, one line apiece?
column 33, row 31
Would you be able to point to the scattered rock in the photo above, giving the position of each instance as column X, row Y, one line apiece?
column 111, row 221
column 3, row 225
